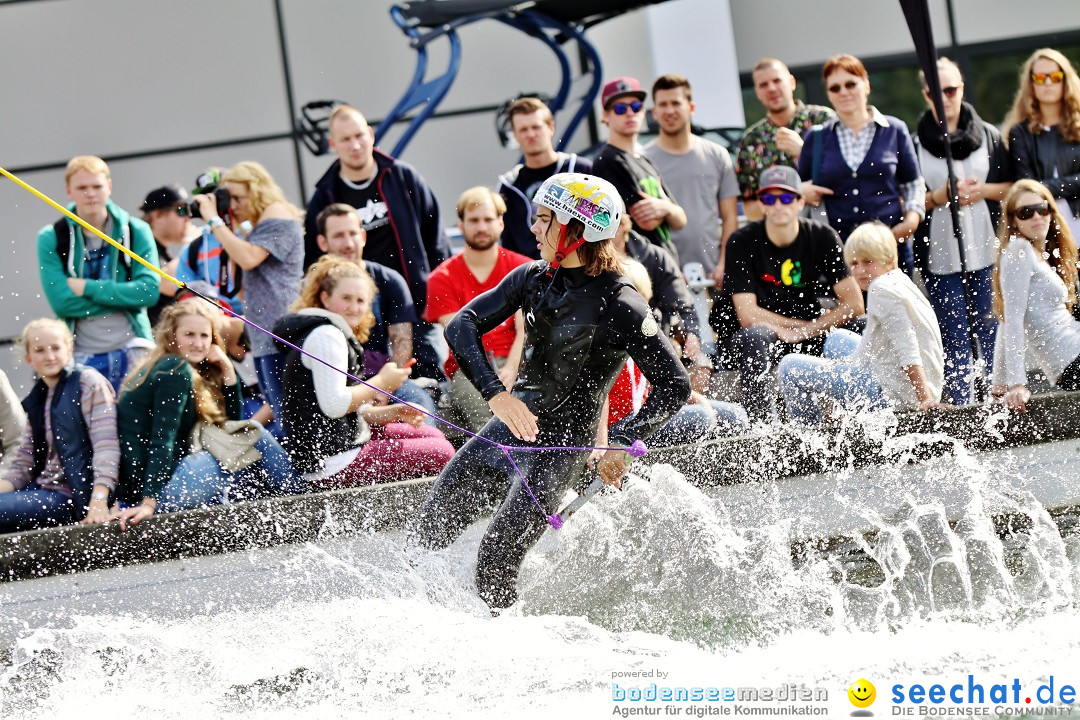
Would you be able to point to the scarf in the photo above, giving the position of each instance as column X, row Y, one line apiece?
column 968, row 137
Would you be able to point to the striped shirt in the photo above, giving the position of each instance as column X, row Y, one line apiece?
column 98, row 404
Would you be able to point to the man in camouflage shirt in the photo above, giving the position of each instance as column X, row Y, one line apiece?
column 776, row 139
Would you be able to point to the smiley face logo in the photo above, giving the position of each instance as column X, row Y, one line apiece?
column 862, row 693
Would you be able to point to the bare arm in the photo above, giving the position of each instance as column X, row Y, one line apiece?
column 917, row 375
column 246, row 255
column 850, row 305
column 401, row 344
column 750, row 313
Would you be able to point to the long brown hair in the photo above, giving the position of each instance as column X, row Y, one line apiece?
column 595, row 257
column 323, row 277
column 207, row 377
column 1059, row 245
column 1025, row 108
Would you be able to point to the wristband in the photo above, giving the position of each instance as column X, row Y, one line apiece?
column 214, row 222
column 99, row 496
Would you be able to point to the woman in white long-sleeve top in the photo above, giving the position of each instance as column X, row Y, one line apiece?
column 1034, row 292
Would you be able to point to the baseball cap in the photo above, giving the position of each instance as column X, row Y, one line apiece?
column 164, row 197
column 780, row 177
column 208, row 180
column 619, row 87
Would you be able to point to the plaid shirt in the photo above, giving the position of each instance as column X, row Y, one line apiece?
column 854, row 148
column 758, row 151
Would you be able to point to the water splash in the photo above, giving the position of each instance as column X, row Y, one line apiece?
column 660, row 575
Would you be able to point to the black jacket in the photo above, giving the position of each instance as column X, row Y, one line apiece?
column 1032, row 162
column 517, row 221
column 671, row 296
column 311, row 436
column 579, row 330
column 414, row 219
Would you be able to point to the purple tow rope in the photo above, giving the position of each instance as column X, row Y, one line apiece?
column 636, row 449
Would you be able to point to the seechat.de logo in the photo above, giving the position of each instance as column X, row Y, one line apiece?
column 862, row 695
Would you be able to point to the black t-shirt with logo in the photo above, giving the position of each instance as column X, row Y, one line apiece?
column 633, row 174
column 787, row 281
column 381, row 244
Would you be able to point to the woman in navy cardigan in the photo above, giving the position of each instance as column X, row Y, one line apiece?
column 861, row 163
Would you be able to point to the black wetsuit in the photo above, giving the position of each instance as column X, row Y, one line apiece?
column 578, row 334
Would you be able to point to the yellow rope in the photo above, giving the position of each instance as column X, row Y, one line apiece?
column 91, row 228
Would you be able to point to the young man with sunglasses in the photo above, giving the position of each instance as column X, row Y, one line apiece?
column 777, row 269
column 650, row 205
column 166, row 212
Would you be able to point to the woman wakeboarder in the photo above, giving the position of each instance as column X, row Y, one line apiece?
column 582, row 319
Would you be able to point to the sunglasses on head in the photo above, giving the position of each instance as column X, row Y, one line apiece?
column 1044, row 78
column 1026, row 212
column 849, row 85
column 784, row 198
column 620, row 108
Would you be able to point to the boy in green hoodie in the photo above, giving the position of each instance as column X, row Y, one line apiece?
column 100, row 293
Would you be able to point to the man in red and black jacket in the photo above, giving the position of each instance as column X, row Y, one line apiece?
column 397, row 209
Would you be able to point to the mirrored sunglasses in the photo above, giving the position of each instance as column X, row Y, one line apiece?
column 1044, row 78
column 784, row 198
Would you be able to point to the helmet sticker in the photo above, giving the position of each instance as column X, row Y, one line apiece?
column 591, row 200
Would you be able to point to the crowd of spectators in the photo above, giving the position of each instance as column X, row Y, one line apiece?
column 847, row 288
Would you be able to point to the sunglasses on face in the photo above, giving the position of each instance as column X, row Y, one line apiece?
column 849, row 85
column 1043, row 78
column 950, row 91
column 784, row 198
column 634, row 107
column 1026, row 212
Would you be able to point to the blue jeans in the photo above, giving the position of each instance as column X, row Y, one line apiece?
column 755, row 350
column 35, row 508
column 114, row 365
column 412, row 393
column 947, row 298
column 271, row 372
column 692, row 422
column 804, row 377
column 199, row 480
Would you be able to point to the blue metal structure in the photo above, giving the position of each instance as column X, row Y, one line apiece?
column 553, row 22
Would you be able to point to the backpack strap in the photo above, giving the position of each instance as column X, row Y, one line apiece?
column 63, row 241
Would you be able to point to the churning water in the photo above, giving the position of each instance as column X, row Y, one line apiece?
column 658, row 580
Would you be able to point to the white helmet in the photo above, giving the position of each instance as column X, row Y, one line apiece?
column 587, row 198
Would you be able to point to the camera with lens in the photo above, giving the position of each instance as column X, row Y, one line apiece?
column 221, row 195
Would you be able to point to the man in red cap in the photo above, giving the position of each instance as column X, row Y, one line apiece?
column 621, row 163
